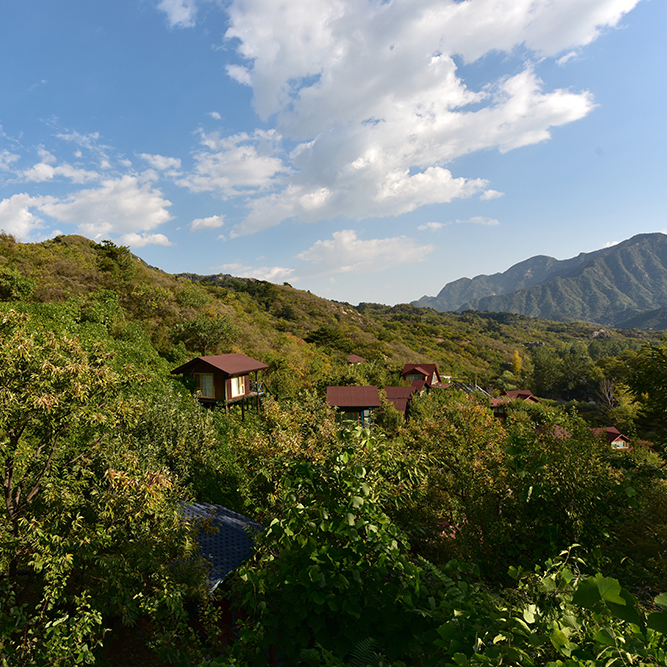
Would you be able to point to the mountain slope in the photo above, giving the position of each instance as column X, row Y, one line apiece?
column 608, row 286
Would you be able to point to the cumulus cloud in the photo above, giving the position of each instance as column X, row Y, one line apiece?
column 346, row 253
column 7, row 159
column 18, row 217
column 45, row 171
column 134, row 240
column 180, row 13
column 491, row 194
column 479, row 220
column 431, row 226
column 119, row 206
column 212, row 222
column 273, row 274
column 373, row 98
column 162, row 163
column 235, row 165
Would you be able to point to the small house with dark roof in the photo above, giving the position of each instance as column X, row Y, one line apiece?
column 614, row 437
column 355, row 359
column 521, row 395
column 400, row 397
column 426, row 373
column 499, row 404
column 355, row 403
column 224, row 378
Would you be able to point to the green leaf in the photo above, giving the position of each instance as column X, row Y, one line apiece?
column 604, row 637
column 661, row 601
column 610, row 590
column 587, row 594
column 658, row 621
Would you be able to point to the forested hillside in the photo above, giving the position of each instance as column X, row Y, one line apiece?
column 452, row 538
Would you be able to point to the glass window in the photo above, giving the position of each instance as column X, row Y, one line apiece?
column 204, row 385
column 238, row 386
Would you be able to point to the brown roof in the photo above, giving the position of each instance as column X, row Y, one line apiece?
column 427, row 370
column 399, row 396
column 522, row 394
column 353, row 397
column 611, row 433
column 355, row 359
column 231, row 364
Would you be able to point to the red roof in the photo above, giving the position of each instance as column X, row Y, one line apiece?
column 399, row 396
column 522, row 394
column 231, row 364
column 355, row 359
column 353, row 397
column 427, row 370
column 611, row 433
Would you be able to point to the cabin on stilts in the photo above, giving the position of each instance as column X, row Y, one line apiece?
column 225, row 378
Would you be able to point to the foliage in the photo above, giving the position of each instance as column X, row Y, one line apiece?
column 333, row 569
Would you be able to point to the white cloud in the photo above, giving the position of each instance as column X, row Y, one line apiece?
column 610, row 244
column 235, row 165
column 213, row 222
column 215, row 115
column 372, row 95
column 7, row 159
column 180, row 13
column 491, row 194
column 134, row 240
column 240, row 74
column 479, row 220
column 431, row 226
column 346, row 253
column 44, row 171
column 162, row 163
column 119, row 206
column 17, row 218
column 273, row 274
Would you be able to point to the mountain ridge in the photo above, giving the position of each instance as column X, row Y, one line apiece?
column 609, row 286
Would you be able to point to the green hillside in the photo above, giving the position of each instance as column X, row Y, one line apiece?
column 299, row 334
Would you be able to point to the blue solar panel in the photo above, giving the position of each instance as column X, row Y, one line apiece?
column 224, row 536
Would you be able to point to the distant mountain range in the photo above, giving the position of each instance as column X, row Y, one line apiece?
column 624, row 286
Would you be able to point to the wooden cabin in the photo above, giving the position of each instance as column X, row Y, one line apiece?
column 426, row 374
column 614, row 437
column 400, row 397
column 356, row 403
column 224, row 378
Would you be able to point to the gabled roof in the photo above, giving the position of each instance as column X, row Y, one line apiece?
column 399, row 396
column 522, row 394
column 353, row 397
column 427, row 370
column 611, row 433
column 355, row 359
column 224, row 537
column 231, row 364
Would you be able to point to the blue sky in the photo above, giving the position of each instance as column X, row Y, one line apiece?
column 363, row 150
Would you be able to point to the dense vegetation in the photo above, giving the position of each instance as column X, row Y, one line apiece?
column 450, row 539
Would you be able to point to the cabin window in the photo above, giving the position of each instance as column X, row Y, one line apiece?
column 238, row 386
column 204, row 385
column 414, row 378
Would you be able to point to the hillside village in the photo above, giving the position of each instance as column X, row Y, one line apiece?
column 231, row 472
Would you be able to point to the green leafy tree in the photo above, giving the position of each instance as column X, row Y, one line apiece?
column 207, row 332
column 48, row 386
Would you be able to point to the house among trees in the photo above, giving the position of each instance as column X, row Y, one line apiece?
column 498, row 405
column 355, row 359
column 224, row 378
column 423, row 375
column 400, row 397
column 614, row 437
column 356, row 403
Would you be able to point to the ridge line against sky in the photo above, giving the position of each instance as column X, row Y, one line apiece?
column 367, row 151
